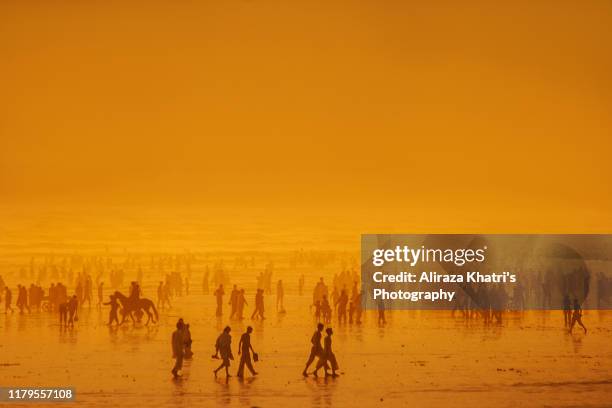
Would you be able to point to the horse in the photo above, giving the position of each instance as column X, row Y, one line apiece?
column 134, row 305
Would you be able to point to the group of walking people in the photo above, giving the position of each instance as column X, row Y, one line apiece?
column 238, row 302
column 181, row 348
column 223, row 351
column 327, row 358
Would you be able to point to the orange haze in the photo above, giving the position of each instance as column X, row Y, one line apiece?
column 392, row 116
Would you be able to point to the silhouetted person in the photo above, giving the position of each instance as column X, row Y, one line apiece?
column 178, row 346
column 326, row 310
column 280, row 297
column 22, row 299
column 63, row 312
column 79, row 291
column 577, row 316
column 318, row 310
column 357, row 306
column 219, row 295
column 87, row 291
column 316, row 350
column 205, row 289
column 567, row 310
column 485, row 303
column 73, row 304
column 328, row 358
column 100, row 293
column 241, row 303
column 320, row 290
column 134, row 292
column 163, row 296
column 245, row 348
column 518, row 297
column 342, row 303
column 259, row 305
column 234, row 301
column 381, row 312
column 8, row 298
column 223, row 346
column 112, row 315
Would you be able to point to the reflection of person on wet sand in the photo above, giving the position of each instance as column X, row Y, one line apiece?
column 245, row 349
column 178, row 344
column 316, row 350
column 577, row 317
column 223, row 346
column 328, row 358
column 112, row 315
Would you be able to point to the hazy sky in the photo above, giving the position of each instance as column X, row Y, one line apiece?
column 328, row 105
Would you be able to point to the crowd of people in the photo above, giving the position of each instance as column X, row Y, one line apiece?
column 27, row 298
column 546, row 290
column 342, row 303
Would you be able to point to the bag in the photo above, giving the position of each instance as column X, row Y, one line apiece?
column 255, row 357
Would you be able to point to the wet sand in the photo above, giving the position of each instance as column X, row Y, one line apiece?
column 417, row 359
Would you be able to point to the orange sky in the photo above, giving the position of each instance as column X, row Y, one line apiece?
column 477, row 112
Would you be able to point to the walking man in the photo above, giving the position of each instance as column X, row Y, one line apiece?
column 178, row 344
column 577, row 317
column 245, row 348
column 224, row 347
column 316, row 349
